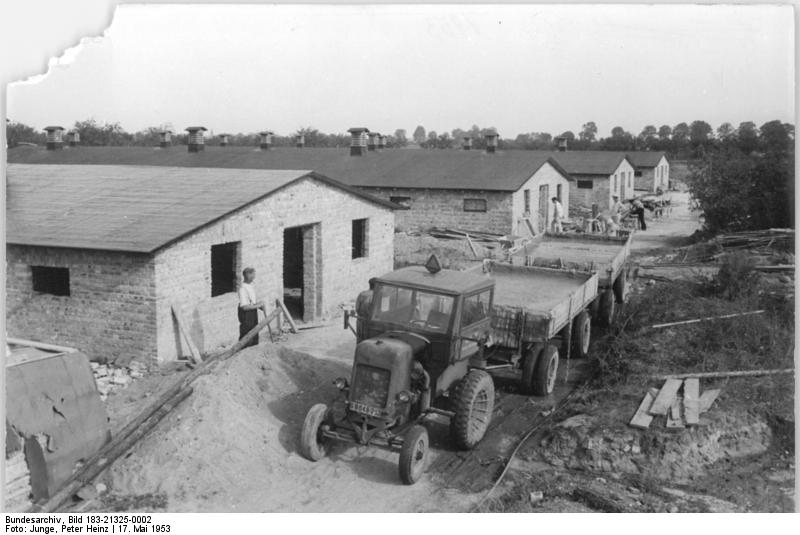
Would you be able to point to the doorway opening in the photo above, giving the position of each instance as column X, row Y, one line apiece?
column 300, row 272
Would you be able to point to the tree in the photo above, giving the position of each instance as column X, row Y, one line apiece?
column 400, row 139
column 680, row 139
column 95, row 134
column 725, row 132
column 619, row 140
column 588, row 132
column 747, row 137
column 664, row 132
column 431, row 141
column 419, row 135
column 17, row 133
column 700, row 134
column 647, row 137
column 444, row 141
column 776, row 137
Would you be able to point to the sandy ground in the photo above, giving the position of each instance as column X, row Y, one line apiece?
column 669, row 230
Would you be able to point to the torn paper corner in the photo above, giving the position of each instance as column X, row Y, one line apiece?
column 69, row 54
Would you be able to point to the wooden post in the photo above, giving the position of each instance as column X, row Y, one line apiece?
column 289, row 318
column 691, row 400
column 196, row 356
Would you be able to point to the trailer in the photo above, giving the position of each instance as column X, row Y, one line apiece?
column 605, row 255
column 538, row 314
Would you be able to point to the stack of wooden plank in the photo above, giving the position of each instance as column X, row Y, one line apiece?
column 458, row 234
column 679, row 400
column 18, row 483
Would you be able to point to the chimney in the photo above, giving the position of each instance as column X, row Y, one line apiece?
column 224, row 139
column 299, row 141
column 491, row 141
column 467, row 145
column 561, row 143
column 55, row 137
column 196, row 141
column 166, row 139
column 74, row 138
column 371, row 144
column 381, row 142
column 266, row 140
column 358, row 141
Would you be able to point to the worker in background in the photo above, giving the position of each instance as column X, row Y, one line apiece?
column 249, row 305
column 616, row 209
column 637, row 209
column 607, row 223
column 558, row 215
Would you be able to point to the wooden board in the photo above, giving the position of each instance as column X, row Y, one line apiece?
column 666, row 396
column 292, row 324
column 707, row 399
column 675, row 415
column 691, row 400
column 642, row 418
column 196, row 357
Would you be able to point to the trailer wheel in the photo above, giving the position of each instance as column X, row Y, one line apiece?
column 313, row 445
column 544, row 379
column 621, row 286
column 531, row 357
column 607, row 308
column 581, row 335
column 473, row 409
column 413, row 455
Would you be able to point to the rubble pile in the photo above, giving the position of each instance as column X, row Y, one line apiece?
column 110, row 379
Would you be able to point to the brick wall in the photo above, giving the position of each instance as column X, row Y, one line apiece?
column 445, row 208
column 109, row 314
column 545, row 175
column 183, row 273
column 580, row 199
column 646, row 182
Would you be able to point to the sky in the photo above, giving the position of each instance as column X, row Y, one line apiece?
column 519, row 68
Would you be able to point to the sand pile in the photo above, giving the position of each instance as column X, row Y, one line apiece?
column 235, row 437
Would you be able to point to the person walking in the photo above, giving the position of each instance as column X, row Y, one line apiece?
column 249, row 306
column 558, row 215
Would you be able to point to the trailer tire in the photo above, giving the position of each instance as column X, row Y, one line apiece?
column 413, row 454
column 621, row 287
column 607, row 308
column 473, row 408
column 581, row 335
column 312, row 445
column 531, row 357
column 544, row 378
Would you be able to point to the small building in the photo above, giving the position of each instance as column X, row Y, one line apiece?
column 651, row 170
column 55, row 137
column 197, row 141
column 599, row 175
column 97, row 255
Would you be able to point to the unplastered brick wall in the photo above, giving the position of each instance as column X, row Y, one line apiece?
column 110, row 313
column 183, row 269
column 581, row 199
column 445, row 208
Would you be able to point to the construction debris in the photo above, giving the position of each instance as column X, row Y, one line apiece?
column 680, row 411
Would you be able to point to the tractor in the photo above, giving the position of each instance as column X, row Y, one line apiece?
column 417, row 329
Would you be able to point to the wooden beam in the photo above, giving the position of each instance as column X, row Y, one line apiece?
column 691, row 400
column 282, row 307
column 196, row 356
column 642, row 418
column 40, row 345
column 472, row 246
column 709, row 375
column 675, row 416
column 707, row 399
column 698, row 320
column 665, row 397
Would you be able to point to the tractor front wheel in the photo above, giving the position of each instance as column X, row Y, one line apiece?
column 313, row 445
column 474, row 405
column 413, row 455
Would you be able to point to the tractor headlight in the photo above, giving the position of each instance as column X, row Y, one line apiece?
column 341, row 383
column 404, row 397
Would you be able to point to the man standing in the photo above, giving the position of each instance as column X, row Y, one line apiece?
column 638, row 209
column 249, row 306
column 616, row 209
column 558, row 215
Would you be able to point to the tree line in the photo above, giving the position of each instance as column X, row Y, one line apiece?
column 682, row 141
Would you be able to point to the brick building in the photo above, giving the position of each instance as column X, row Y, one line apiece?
column 98, row 254
column 467, row 189
column 598, row 176
column 651, row 170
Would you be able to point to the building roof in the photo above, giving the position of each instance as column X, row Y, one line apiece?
column 446, row 280
column 133, row 208
column 646, row 158
column 433, row 169
column 590, row 162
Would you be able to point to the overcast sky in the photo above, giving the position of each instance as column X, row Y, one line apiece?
column 519, row 68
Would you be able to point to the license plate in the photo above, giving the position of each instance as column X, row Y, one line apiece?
column 364, row 409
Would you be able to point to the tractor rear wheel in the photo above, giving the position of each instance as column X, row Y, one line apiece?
column 473, row 409
column 581, row 335
column 544, row 378
column 413, row 454
column 313, row 445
